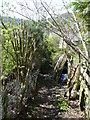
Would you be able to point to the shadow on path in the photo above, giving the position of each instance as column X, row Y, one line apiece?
column 44, row 104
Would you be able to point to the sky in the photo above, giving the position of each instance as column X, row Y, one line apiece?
column 57, row 5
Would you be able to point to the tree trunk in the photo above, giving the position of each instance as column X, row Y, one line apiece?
column 73, row 82
column 85, row 89
column 59, row 66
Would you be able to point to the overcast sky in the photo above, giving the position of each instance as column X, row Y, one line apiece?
column 56, row 4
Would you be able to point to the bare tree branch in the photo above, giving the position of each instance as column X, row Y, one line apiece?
column 25, row 6
column 83, row 43
column 22, row 15
column 79, row 30
column 2, row 22
column 65, row 38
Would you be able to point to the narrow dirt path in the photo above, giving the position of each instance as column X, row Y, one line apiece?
column 44, row 104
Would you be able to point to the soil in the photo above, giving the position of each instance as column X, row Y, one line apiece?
column 43, row 105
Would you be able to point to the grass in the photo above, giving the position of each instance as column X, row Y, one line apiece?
column 63, row 104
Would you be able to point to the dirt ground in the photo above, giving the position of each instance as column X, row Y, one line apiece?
column 43, row 105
